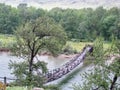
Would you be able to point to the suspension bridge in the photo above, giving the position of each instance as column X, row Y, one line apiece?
column 64, row 69
column 67, row 67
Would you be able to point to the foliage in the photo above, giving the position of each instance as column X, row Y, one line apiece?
column 77, row 46
column 82, row 24
column 104, row 76
column 11, row 18
column 16, row 88
column 6, row 41
column 8, row 19
column 69, row 50
column 49, row 87
column 20, row 70
column 32, row 38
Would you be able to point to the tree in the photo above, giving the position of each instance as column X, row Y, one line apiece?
column 29, row 13
column 70, row 22
column 8, row 19
column 90, row 27
column 56, row 14
column 109, row 26
column 32, row 38
column 105, row 75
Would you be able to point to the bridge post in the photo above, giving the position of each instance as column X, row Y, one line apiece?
column 5, row 80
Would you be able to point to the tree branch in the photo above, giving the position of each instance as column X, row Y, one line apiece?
column 28, row 43
column 113, row 82
column 38, row 48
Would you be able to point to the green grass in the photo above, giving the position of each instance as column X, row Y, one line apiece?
column 50, row 87
column 79, row 45
column 16, row 88
column 106, row 45
column 6, row 40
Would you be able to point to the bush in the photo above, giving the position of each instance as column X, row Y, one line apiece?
column 69, row 50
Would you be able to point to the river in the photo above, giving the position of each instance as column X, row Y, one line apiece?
column 6, row 57
column 53, row 62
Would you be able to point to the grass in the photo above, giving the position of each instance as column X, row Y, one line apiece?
column 106, row 45
column 78, row 46
column 6, row 40
column 16, row 88
column 50, row 87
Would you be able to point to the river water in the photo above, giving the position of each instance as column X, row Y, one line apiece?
column 52, row 63
column 6, row 57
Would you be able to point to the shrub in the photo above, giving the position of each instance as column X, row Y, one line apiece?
column 69, row 50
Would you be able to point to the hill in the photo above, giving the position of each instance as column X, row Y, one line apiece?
column 48, row 4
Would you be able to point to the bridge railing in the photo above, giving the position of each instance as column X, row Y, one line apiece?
column 69, row 66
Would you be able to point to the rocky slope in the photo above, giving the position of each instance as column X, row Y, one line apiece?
column 48, row 4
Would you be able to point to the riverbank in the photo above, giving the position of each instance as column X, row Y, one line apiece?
column 7, row 41
column 4, row 50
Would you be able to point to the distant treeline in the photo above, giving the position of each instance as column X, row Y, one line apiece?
column 83, row 24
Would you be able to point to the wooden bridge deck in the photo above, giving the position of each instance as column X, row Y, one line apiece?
column 67, row 67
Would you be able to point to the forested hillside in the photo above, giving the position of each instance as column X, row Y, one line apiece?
column 81, row 24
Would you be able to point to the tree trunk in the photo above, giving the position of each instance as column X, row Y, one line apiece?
column 31, row 66
column 30, row 71
column 113, row 82
column 31, row 63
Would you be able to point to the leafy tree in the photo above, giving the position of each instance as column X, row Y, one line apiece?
column 91, row 25
column 8, row 19
column 109, row 26
column 32, row 38
column 56, row 14
column 70, row 22
column 27, row 14
column 105, row 75
column 83, row 24
column 68, row 18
